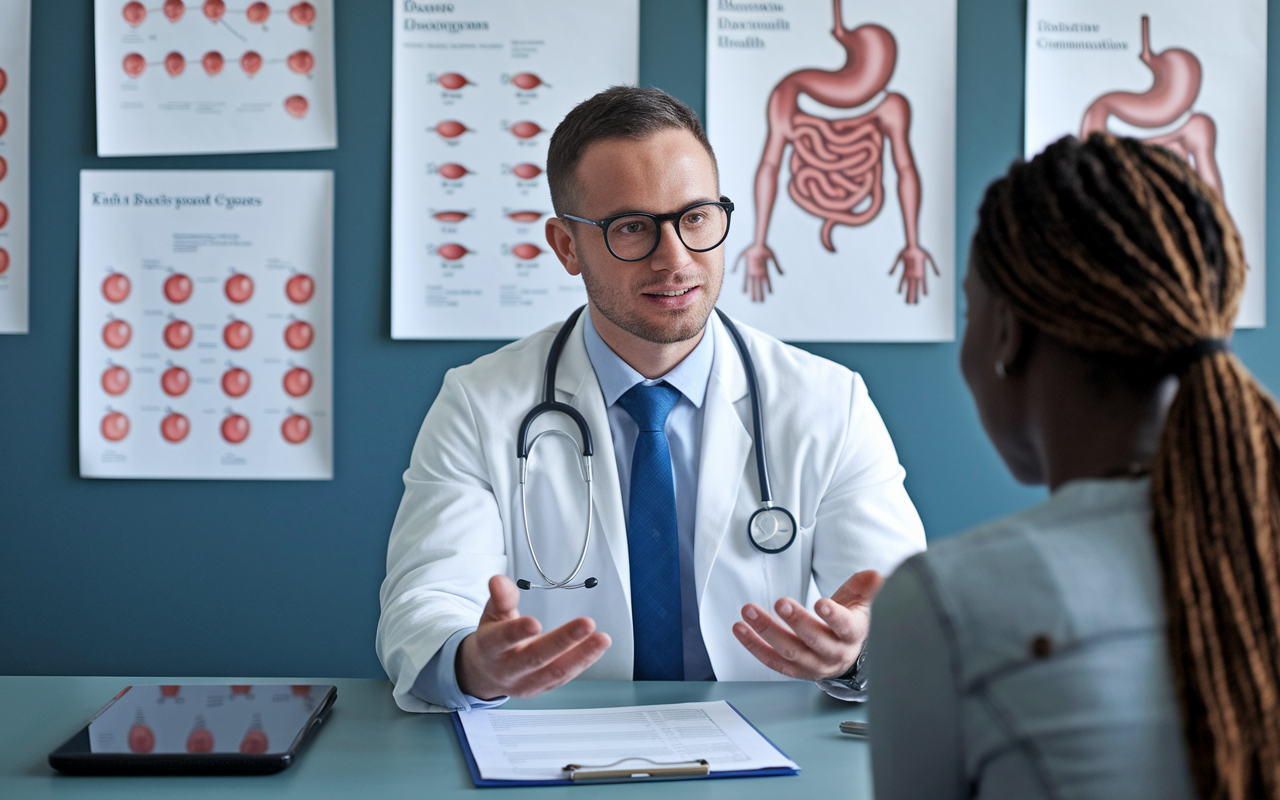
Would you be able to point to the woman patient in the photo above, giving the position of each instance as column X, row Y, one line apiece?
column 1123, row 638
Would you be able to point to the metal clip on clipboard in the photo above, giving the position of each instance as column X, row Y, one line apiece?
column 698, row 768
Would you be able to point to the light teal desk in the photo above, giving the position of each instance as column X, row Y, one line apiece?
column 369, row 748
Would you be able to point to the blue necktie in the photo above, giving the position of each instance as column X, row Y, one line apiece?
column 653, row 542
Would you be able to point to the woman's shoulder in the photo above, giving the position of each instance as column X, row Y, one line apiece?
column 1079, row 566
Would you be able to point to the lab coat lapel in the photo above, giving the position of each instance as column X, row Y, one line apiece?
column 726, row 444
column 575, row 377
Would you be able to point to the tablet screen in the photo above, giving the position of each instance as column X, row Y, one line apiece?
column 204, row 719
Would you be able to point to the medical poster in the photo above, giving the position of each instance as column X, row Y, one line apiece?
column 1180, row 73
column 206, row 324
column 15, row 36
column 834, row 126
column 219, row 76
column 479, row 87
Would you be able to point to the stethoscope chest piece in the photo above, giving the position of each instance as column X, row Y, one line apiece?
column 772, row 529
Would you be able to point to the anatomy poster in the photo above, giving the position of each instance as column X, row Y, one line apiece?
column 206, row 324
column 15, row 32
column 218, row 76
column 834, row 126
column 479, row 87
column 1178, row 73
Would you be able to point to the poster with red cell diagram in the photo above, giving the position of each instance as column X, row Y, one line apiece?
column 214, row 76
column 479, row 86
column 1183, row 74
column 834, row 125
column 206, row 324
column 15, row 35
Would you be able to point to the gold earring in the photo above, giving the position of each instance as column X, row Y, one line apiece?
column 1001, row 373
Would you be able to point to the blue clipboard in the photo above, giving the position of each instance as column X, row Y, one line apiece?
column 488, row 782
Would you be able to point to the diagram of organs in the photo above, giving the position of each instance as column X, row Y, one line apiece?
column 198, row 359
column 837, row 165
column 1175, row 85
column 214, row 76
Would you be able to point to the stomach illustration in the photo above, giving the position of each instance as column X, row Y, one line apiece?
column 1175, row 85
column 837, row 165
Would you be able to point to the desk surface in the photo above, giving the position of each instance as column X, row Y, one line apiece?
column 369, row 748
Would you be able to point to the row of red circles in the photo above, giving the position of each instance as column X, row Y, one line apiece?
column 135, row 13
column 176, row 380
column 4, row 170
column 236, row 334
column 301, row 62
column 238, row 288
column 234, row 428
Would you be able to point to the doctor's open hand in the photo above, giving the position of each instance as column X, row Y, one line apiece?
column 815, row 647
column 508, row 655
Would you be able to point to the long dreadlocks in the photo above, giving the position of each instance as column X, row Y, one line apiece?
column 1118, row 249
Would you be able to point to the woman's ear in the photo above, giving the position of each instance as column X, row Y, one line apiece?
column 1014, row 338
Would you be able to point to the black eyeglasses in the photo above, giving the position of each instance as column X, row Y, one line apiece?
column 635, row 235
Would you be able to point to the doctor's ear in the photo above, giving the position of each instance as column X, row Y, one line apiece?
column 561, row 240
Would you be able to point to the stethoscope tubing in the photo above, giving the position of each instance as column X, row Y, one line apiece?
column 525, row 445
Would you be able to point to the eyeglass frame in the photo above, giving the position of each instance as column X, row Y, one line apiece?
column 674, row 217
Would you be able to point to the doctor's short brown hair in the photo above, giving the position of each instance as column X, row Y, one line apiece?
column 619, row 112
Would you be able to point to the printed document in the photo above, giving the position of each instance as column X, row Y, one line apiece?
column 536, row 745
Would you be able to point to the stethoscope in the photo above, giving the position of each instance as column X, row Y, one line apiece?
column 771, row 528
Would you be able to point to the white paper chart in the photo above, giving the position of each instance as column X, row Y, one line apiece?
column 834, row 126
column 222, row 76
column 206, row 324
column 1178, row 73
column 15, row 35
column 479, row 87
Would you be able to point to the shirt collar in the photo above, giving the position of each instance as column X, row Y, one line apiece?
column 616, row 376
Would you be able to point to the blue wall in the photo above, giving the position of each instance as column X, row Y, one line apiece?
column 281, row 578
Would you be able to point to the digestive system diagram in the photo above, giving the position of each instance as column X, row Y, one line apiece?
column 213, row 61
column 1175, row 85
column 837, row 165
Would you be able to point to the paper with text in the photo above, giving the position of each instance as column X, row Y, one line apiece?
column 214, row 77
column 536, row 745
column 206, row 324
column 1182, row 74
column 15, row 36
column 479, row 86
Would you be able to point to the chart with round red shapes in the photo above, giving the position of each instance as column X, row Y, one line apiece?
column 214, row 76
column 14, row 165
column 205, row 360
column 475, row 105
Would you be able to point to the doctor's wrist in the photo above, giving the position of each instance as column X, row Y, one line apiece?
column 852, row 683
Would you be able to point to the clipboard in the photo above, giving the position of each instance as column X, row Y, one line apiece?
column 592, row 775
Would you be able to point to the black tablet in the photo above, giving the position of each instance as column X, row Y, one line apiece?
column 197, row 730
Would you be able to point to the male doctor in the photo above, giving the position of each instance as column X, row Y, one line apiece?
column 680, row 590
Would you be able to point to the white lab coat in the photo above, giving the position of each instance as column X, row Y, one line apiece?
column 831, row 463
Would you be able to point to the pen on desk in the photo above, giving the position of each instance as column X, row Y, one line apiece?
column 852, row 728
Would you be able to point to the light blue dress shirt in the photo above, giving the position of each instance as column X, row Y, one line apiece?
column 438, row 682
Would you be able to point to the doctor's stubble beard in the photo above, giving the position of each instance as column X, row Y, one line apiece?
column 678, row 326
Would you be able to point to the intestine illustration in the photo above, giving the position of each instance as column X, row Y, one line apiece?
column 837, row 164
column 1174, row 88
